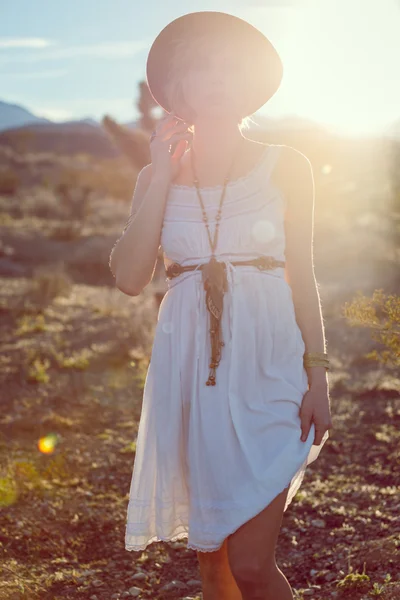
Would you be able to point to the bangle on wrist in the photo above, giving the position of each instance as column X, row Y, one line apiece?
column 316, row 359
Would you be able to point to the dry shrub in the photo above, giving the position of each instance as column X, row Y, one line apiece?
column 9, row 181
column 48, row 282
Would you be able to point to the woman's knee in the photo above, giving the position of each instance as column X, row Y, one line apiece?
column 252, row 576
column 251, row 548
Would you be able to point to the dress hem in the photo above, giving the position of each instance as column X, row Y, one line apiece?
column 300, row 472
column 185, row 534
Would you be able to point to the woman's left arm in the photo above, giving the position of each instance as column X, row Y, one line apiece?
column 298, row 183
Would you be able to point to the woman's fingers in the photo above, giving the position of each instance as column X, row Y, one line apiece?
column 305, row 429
column 179, row 150
column 305, row 417
column 169, row 134
column 163, row 125
column 180, row 136
column 319, row 434
column 166, row 123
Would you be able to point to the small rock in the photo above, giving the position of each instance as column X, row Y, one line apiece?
column 97, row 583
column 173, row 585
column 308, row 592
column 318, row 523
column 194, row 583
column 94, row 597
column 115, row 596
column 86, row 573
column 134, row 591
column 330, row 576
column 139, row 576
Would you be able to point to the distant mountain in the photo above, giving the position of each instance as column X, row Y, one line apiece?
column 69, row 138
column 23, row 131
column 55, row 127
column 90, row 121
column 13, row 115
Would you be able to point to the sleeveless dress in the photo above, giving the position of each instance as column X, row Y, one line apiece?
column 209, row 458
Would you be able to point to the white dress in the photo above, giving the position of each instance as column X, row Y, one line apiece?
column 209, row 458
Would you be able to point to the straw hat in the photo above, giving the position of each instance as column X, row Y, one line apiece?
column 266, row 67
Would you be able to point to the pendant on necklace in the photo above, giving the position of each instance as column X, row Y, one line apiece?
column 216, row 284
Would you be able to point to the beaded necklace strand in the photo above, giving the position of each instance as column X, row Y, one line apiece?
column 214, row 273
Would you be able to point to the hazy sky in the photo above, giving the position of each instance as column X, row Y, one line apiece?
column 76, row 59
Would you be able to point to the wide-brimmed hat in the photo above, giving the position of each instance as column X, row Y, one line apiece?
column 265, row 63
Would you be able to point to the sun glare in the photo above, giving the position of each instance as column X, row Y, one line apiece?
column 341, row 62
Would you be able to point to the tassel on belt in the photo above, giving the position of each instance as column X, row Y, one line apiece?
column 215, row 284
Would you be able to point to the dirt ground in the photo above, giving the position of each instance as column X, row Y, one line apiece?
column 74, row 357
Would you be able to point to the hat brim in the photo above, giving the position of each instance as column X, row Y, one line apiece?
column 266, row 65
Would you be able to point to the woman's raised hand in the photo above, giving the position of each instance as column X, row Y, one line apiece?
column 168, row 146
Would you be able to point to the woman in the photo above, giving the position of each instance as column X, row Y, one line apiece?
column 236, row 400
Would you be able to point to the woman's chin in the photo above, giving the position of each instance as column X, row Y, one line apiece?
column 214, row 111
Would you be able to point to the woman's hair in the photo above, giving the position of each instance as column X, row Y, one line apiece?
column 184, row 56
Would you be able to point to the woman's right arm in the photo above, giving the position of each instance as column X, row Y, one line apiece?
column 134, row 256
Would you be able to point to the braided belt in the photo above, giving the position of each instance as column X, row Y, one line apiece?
column 261, row 262
column 215, row 284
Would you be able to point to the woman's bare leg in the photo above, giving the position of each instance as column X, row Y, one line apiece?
column 218, row 582
column 251, row 555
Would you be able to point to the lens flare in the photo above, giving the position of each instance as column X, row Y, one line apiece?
column 48, row 443
column 326, row 169
column 263, row 231
column 168, row 327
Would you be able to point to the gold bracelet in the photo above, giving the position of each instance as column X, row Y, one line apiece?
column 316, row 359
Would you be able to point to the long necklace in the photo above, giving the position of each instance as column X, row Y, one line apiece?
column 214, row 274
